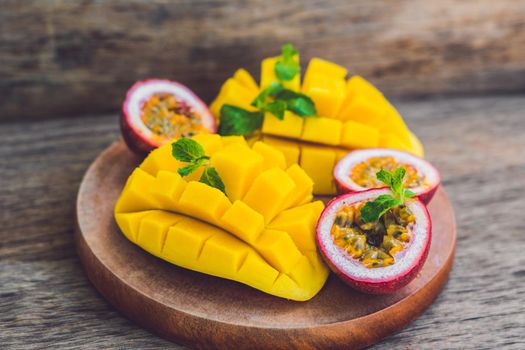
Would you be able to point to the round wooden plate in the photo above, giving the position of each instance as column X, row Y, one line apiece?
column 209, row 312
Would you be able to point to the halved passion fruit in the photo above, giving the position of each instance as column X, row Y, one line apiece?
column 375, row 257
column 357, row 171
column 158, row 111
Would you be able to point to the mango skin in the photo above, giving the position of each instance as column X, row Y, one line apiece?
column 352, row 114
column 251, row 235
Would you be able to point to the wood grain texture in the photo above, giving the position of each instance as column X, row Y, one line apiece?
column 77, row 57
column 208, row 312
column 477, row 144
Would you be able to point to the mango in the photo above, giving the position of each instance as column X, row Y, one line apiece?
column 291, row 126
column 322, row 130
column 246, row 80
column 351, row 114
column 268, row 74
column 249, row 234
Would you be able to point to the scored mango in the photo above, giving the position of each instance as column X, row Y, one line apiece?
column 251, row 234
column 351, row 114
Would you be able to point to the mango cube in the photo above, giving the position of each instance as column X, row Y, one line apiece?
column 256, row 272
column 153, row 229
column 204, row 202
column 272, row 157
column 233, row 93
column 223, row 254
column 279, row 249
column 303, row 186
column 245, row 79
column 289, row 148
column 291, row 125
column 237, row 166
column 358, row 135
column 318, row 67
column 230, row 140
column 243, row 221
column 129, row 223
column 300, row 223
column 185, row 240
column 160, row 159
column 327, row 93
column 322, row 130
column 167, row 189
column 210, row 142
column 136, row 196
column 315, row 161
column 358, row 85
column 269, row 192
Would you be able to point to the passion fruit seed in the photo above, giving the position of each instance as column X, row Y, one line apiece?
column 374, row 244
column 364, row 173
column 170, row 118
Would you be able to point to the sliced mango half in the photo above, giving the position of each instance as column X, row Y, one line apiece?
column 260, row 232
column 351, row 114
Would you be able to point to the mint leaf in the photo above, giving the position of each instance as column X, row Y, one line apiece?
column 288, row 51
column 191, row 167
column 273, row 89
column 186, row 150
column 373, row 210
column 397, row 180
column 286, row 68
column 238, row 121
column 385, row 177
column 277, row 108
column 211, row 178
column 297, row 102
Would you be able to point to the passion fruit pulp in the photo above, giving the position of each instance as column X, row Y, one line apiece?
column 357, row 171
column 379, row 257
column 158, row 111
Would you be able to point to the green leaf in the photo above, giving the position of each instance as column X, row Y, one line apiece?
column 408, row 193
column 397, row 180
column 277, row 108
column 191, row 167
column 385, row 177
column 211, row 178
column 289, row 51
column 297, row 102
column 373, row 210
column 238, row 121
column 286, row 68
column 273, row 89
column 186, row 150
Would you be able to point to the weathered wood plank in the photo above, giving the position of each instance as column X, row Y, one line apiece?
column 477, row 143
column 77, row 57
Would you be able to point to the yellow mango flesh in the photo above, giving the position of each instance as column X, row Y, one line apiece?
column 351, row 114
column 250, row 234
column 245, row 79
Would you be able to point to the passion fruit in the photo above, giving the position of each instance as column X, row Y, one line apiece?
column 379, row 257
column 158, row 111
column 357, row 171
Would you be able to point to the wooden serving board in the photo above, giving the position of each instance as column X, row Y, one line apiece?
column 208, row 312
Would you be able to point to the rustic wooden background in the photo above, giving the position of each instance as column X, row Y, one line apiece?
column 79, row 57
column 63, row 59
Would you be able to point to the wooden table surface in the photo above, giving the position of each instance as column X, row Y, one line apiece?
column 478, row 144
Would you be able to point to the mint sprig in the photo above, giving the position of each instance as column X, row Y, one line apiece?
column 276, row 100
column 373, row 210
column 238, row 121
column 191, row 152
column 286, row 68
